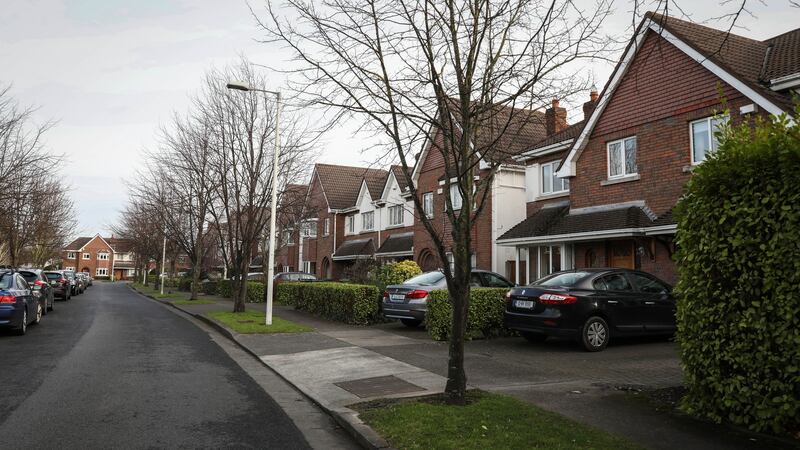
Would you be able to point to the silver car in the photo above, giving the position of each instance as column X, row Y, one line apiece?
column 409, row 301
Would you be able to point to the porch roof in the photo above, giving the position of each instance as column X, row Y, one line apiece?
column 356, row 249
column 397, row 245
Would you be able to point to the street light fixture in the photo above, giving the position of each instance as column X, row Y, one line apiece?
column 242, row 86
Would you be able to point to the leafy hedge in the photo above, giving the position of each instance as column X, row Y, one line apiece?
column 355, row 304
column 396, row 273
column 225, row 288
column 255, row 290
column 485, row 319
column 209, row 287
column 739, row 285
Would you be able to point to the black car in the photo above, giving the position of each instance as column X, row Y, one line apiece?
column 18, row 306
column 592, row 306
column 40, row 285
column 409, row 301
column 74, row 282
column 61, row 285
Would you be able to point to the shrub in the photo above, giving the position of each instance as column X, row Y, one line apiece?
column 225, row 288
column 396, row 273
column 485, row 317
column 209, row 287
column 739, row 280
column 185, row 284
column 255, row 291
column 349, row 303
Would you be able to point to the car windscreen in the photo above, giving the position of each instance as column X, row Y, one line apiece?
column 5, row 280
column 69, row 274
column 426, row 279
column 52, row 275
column 30, row 277
column 562, row 279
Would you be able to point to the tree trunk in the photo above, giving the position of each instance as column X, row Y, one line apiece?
column 195, row 287
column 459, row 288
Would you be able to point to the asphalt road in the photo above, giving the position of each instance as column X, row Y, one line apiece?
column 111, row 369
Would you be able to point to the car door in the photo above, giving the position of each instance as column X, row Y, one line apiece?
column 617, row 297
column 24, row 291
column 658, row 304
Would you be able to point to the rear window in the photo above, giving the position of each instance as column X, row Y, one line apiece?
column 566, row 279
column 5, row 280
column 52, row 275
column 426, row 279
column 29, row 276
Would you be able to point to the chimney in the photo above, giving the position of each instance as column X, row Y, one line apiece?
column 555, row 118
column 588, row 107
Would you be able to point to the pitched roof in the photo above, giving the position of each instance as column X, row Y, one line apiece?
column 359, row 248
column 397, row 170
column 784, row 56
column 376, row 180
column 571, row 132
column 557, row 221
column 397, row 243
column 78, row 243
column 342, row 183
column 120, row 245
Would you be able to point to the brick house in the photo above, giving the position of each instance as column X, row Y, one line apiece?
column 620, row 174
column 525, row 127
column 100, row 257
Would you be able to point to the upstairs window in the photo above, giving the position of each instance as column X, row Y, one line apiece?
column 367, row 221
column 326, row 227
column 288, row 237
column 552, row 184
column 396, row 215
column 350, row 224
column 87, row 256
column 427, row 204
column 309, row 229
column 455, row 197
column 702, row 136
column 102, row 256
column 70, row 255
column 622, row 158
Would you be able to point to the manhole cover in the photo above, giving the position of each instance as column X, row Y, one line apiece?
column 378, row 386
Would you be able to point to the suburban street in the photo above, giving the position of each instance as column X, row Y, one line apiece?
column 112, row 369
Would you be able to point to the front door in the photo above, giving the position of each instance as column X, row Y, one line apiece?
column 621, row 254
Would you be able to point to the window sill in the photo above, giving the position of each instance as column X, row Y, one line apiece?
column 392, row 227
column 624, row 179
column 690, row 168
column 551, row 196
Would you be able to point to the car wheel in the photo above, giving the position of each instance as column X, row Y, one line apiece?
column 533, row 337
column 39, row 314
column 24, row 327
column 411, row 323
column 595, row 334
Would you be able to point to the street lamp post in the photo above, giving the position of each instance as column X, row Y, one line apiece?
column 239, row 86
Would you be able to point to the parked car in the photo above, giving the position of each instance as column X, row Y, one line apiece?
column 61, row 285
column 89, row 279
column 292, row 276
column 409, row 301
column 74, row 282
column 18, row 306
column 41, row 287
column 80, row 279
column 592, row 306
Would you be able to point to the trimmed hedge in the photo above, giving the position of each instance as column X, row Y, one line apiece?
column 255, row 290
column 355, row 304
column 225, row 288
column 485, row 318
column 739, row 280
column 208, row 287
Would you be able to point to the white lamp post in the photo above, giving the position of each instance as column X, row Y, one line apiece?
column 240, row 86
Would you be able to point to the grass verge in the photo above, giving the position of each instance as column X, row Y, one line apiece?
column 487, row 421
column 193, row 302
column 253, row 322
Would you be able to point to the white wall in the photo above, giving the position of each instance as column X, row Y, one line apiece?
column 508, row 209
column 393, row 196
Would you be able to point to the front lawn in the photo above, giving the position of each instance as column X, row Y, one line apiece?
column 253, row 322
column 488, row 421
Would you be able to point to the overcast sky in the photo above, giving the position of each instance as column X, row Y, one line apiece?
column 111, row 71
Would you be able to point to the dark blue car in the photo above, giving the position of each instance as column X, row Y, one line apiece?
column 18, row 306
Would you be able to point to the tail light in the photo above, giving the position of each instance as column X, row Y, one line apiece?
column 39, row 283
column 62, row 280
column 8, row 299
column 557, row 299
column 416, row 294
column 508, row 298
column 386, row 295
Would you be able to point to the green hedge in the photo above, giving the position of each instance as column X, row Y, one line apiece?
column 225, row 288
column 209, row 287
column 739, row 280
column 255, row 290
column 349, row 303
column 396, row 273
column 485, row 319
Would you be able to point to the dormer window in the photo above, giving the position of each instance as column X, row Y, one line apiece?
column 367, row 221
column 396, row 215
column 622, row 158
column 552, row 184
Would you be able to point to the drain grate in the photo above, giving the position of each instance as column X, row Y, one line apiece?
column 378, row 386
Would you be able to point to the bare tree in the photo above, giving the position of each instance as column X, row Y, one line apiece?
column 457, row 77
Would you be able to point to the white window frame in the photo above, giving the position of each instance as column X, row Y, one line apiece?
column 553, row 165
column 350, row 224
column 427, row 204
column 309, row 229
column 102, row 256
column 396, row 218
column 72, row 269
column 87, row 256
column 288, row 236
column 101, row 272
column 71, row 255
column 713, row 144
column 624, row 173
column 455, row 197
column 326, row 226
column 365, row 221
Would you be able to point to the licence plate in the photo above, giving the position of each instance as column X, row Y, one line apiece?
column 53, row 283
column 526, row 304
column 397, row 297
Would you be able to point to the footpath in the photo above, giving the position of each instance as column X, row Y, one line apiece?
column 338, row 365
